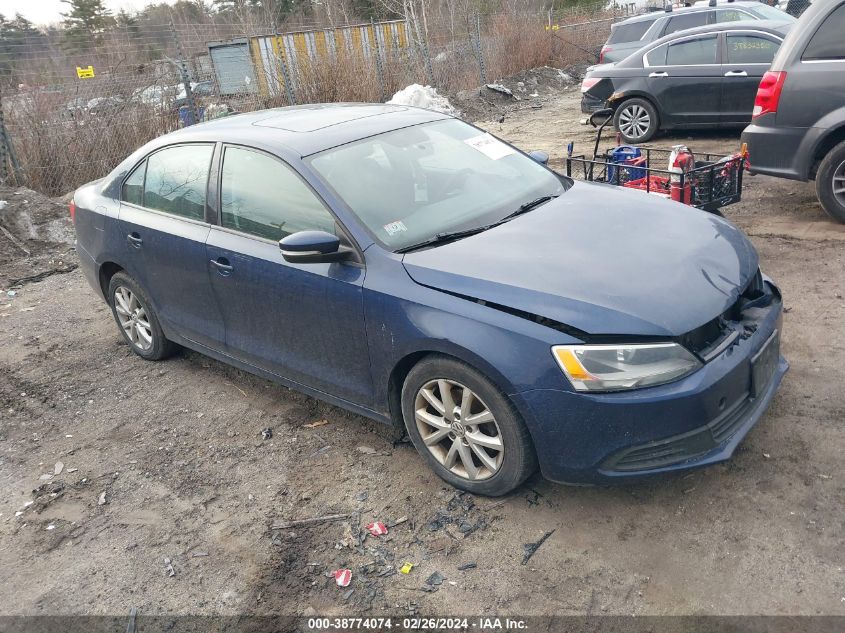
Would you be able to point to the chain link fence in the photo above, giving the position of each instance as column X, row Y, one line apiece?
column 69, row 116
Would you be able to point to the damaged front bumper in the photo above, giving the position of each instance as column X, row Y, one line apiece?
column 696, row 421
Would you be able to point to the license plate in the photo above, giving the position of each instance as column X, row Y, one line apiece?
column 764, row 363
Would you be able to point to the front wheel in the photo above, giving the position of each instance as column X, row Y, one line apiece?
column 830, row 183
column 636, row 120
column 465, row 428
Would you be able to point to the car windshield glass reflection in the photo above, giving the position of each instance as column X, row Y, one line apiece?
column 410, row 185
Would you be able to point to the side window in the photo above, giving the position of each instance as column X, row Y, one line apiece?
column 177, row 178
column 692, row 52
column 264, row 197
column 686, row 21
column 133, row 187
column 750, row 49
column 828, row 42
column 732, row 15
column 657, row 57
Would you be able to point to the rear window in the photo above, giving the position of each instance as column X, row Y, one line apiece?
column 686, row 21
column 629, row 32
column 771, row 13
column 829, row 41
column 751, row 49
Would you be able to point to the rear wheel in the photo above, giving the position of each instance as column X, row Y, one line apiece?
column 636, row 120
column 465, row 428
column 136, row 319
column 830, row 183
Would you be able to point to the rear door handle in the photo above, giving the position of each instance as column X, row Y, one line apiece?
column 223, row 266
column 736, row 73
column 659, row 73
column 134, row 240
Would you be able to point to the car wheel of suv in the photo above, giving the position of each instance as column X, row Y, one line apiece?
column 136, row 319
column 636, row 120
column 830, row 183
column 465, row 428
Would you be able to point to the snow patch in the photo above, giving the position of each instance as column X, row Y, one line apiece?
column 423, row 97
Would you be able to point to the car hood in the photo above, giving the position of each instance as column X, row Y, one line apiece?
column 602, row 260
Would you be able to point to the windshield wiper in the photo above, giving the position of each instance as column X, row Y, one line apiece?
column 440, row 238
column 528, row 206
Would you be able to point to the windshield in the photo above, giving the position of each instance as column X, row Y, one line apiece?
column 771, row 13
column 410, row 185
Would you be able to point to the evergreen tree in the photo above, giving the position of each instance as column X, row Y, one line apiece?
column 129, row 22
column 85, row 22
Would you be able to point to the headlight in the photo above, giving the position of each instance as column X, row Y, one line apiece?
column 614, row 367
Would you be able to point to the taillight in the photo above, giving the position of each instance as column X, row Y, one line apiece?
column 71, row 207
column 604, row 49
column 768, row 93
column 589, row 82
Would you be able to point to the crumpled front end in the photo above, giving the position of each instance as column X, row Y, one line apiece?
column 693, row 422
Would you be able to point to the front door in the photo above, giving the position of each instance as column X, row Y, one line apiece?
column 162, row 221
column 685, row 79
column 304, row 322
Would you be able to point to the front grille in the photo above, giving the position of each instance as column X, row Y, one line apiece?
column 680, row 448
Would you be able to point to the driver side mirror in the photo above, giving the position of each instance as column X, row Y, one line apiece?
column 540, row 156
column 313, row 247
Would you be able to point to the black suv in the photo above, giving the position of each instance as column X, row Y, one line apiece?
column 798, row 126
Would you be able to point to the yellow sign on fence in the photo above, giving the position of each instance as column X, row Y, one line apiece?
column 85, row 73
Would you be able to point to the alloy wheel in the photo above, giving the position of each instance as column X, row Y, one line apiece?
column 458, row 429
column 133, row 318
column 634, row 121
column 839, row 184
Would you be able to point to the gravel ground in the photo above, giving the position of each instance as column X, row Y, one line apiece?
column 167, row 461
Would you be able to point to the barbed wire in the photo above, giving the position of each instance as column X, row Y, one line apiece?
column 72, row 115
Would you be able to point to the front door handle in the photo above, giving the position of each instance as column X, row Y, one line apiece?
column 134, row 240
column 659, row 73
column 223, row 266
column 736, row 73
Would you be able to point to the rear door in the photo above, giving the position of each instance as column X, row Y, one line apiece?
column 747, row 56
column 163, row 226
column 685, row 78
column 304, row 322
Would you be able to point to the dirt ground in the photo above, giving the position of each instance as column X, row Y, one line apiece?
column 167, row 461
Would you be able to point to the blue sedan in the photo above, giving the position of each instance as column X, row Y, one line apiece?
column 414, row 269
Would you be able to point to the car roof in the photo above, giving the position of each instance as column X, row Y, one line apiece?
column 773, row 27
column 304, row 129
column 654, row 15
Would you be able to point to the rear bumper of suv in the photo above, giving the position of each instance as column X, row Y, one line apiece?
column 780, row 151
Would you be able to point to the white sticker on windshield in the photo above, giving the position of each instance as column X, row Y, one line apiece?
column 395, row 227
column 490, row 146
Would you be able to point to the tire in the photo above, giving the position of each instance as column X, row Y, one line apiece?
column 830, row 183
column 136, row 320
column 636, row 120
column 458, row 439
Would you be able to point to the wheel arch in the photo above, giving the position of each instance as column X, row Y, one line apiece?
column 833, row 137
column 401, row 369
column 617, row 99
column 107, row 270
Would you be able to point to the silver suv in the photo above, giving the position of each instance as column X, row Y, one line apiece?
column 628, row 36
